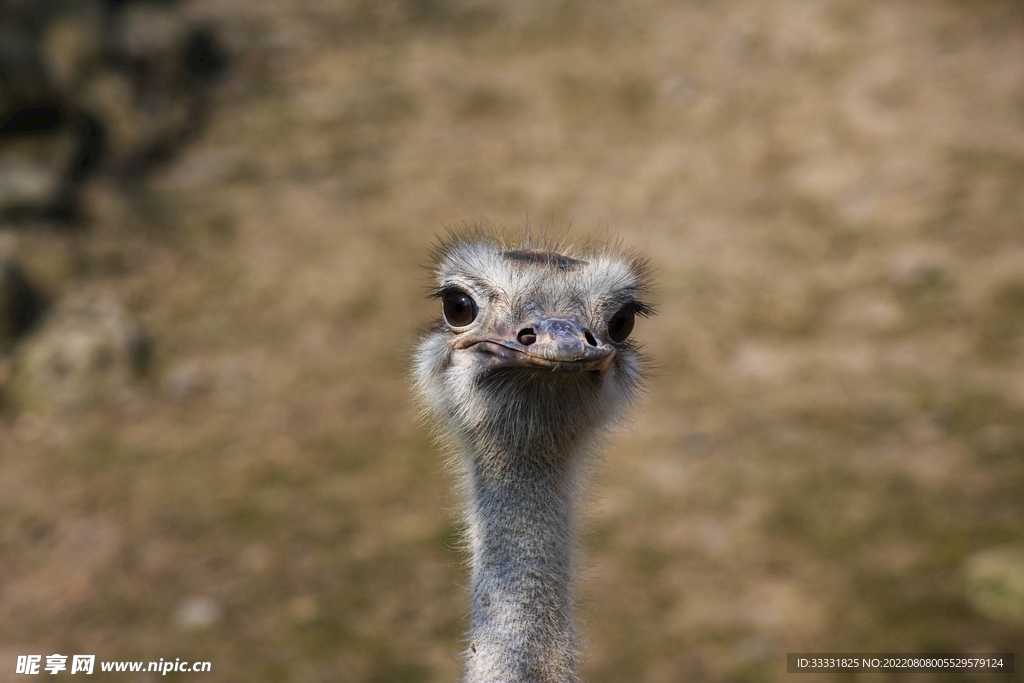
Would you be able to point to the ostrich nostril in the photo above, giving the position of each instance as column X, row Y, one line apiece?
column 590, row 338
column 527, row 336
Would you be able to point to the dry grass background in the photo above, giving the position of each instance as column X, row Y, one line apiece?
column 832, row 193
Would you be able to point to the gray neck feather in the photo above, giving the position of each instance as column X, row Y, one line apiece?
column 521, row 534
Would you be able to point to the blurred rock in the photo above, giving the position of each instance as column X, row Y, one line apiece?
column 150, row 31
column 21, row 304
column 196, row 614
column 87, row 350
column 33, row 167
column 22, row 72
column 27, row 185
column 995, row 583
column 125, row 83
column 72, row 44
column 111, row 96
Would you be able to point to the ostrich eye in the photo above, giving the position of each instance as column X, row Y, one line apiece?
column 459, row 308
column 621, row 324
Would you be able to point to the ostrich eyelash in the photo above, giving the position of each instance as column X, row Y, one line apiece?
column 642, row 309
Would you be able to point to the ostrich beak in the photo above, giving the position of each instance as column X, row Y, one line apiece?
column 551, row 344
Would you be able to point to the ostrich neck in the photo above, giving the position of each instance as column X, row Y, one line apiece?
column 521, row 533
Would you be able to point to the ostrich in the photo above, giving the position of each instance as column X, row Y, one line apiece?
column 524, row 374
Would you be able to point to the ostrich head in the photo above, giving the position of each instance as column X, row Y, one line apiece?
column 529, row 364
column 532, row 352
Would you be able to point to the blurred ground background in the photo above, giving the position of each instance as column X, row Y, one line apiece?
column 207, row 447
